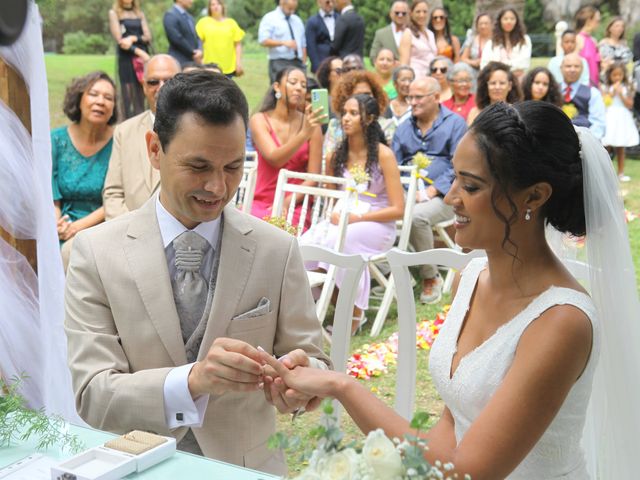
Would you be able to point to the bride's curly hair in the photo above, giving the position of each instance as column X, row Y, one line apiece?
column 373, row 135
column 527, row 143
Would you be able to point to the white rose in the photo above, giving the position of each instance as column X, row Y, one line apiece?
column 339, row 466
column 381, row 455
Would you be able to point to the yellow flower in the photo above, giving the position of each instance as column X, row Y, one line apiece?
column 359, row 175
column 421, row 160
column 608, row 100
column 570, row 110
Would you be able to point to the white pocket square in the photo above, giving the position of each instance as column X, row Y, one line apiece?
column 263, row 307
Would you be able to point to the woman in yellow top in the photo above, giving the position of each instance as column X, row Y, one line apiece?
column 221, row 39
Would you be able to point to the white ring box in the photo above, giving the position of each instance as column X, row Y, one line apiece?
column 103, row 463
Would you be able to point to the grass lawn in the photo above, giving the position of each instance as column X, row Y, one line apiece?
column 254, row 83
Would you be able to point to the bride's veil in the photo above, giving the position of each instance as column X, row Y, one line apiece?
column 613, row 420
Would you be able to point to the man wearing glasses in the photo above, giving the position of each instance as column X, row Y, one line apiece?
column 435, row 131
column 130, row 178
column 389, row 36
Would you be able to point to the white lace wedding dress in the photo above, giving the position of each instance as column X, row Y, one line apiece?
column 558, row 453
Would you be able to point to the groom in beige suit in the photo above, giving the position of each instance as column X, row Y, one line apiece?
column 131, row 179
column 166, row 305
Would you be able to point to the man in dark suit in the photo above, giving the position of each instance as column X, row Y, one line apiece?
column 389, row 36
column 319, row 32
column 184, row 44
column 349, row 35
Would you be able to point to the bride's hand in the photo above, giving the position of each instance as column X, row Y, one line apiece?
column 312, row 382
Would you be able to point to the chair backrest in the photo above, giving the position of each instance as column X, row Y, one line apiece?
column 247, row 187
column 409, row 179
column 317, row 196
column 400, row 261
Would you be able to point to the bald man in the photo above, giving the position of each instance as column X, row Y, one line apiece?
column 130, row 178
column 435, row 131
column 582, row 103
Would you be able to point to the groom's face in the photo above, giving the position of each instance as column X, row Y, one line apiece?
column 200, row 169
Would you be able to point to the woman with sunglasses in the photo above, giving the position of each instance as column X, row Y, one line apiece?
column 473, row 46
column 284, row 137
column 510, row 43
column 439, row 68
column 496, row 83
column 448, row 44
column 418, row 44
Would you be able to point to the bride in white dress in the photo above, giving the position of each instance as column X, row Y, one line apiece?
column 516, row 358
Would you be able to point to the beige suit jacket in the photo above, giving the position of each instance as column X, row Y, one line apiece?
column 124, row 333
column 130, row 179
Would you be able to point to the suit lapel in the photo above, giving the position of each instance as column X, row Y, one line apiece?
column 236, row 259
column 324, row 26
column 148, row 263
column 151, row 175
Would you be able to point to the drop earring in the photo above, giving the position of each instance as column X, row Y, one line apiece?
column 527, row 215
column 278, row 95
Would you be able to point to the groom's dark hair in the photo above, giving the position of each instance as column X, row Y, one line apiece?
column 212, row 96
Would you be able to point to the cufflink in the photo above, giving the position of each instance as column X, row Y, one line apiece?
column 179, row 416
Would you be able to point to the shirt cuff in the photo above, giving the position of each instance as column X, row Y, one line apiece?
column 180, row 409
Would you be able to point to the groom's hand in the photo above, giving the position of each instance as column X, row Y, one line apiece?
column 230, row 366
column 277, row 392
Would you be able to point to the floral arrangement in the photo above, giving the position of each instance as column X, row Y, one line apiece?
column 359, row 175
column 421, row 161
column 608, row 99
column 570, row 110
column 629, row 216
column 19, row 423
column 282, row 224
column 373, row 360
column 378, row 459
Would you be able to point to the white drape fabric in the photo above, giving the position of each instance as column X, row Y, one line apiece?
column 32, row 340
column 613, row 424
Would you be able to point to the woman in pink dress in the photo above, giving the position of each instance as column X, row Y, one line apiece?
column 418, row 44
column 285, row 135
column 587, row 20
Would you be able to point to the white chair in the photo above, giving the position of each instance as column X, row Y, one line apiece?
column 400, row 262
column 317, row 204
column 441, row 235
column 410, row 181
column 247, row 187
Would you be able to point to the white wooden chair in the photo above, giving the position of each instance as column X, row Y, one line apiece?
column 247, row 187
column 441, row 234
column 410, row 180
column 317, row 204
column 407, row 357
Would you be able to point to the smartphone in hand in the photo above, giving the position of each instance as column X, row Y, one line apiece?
column 320, row 98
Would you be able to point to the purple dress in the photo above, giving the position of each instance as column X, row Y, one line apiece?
column 365, row 238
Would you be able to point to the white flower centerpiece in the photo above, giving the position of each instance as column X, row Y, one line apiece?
column 378, row 459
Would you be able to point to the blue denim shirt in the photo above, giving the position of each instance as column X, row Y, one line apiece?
column 439, row 144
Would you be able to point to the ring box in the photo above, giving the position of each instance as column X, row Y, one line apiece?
column 112, row 463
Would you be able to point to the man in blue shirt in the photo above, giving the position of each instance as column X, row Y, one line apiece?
column 435, row 131
column 282, row 32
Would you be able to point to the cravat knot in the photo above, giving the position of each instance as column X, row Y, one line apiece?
column 190, row 250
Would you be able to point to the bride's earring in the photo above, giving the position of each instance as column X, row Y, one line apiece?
column 278, row 95
column 527, row 215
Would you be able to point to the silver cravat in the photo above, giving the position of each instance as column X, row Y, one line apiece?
column 190, row 288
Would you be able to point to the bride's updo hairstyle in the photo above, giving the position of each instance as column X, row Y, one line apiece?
column 527, row 143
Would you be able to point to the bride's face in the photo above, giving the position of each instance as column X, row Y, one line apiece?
column 476, row 222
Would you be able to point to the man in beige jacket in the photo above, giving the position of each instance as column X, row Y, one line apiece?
column 137, row 359
column 131, row 179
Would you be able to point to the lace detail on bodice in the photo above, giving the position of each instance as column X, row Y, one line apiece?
column 479, row 373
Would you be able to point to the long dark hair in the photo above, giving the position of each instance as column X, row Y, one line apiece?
column 553, row 93
column 324, row 70
column 482, row 93
column 415, row 29
column 516, row 36
column 373, row 135
column 269, row 101
column 447, row 31
column 527, row 143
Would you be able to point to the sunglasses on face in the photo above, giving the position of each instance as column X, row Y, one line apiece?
column 400, row 14
column 338, row 71
column 153, row 82
column 438, row 17
column 438, row 69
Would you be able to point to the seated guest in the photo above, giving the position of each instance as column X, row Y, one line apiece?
column 435, row 131
column 328, row 74
column 166, row 306
column 359, row 81
column 539, row 84
column 496, row 83
column 462, row 101
column 399, row 108
column 582, row 104
column 284, row 137
column 438, row 69
column 131, row 179
column 568, row 45
column 193, row 67
column 372, row 224
column 352, row 62
column 80, row 154
column 384, row 63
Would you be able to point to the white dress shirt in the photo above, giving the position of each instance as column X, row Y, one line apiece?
column 180, row 409
column 397, row 34
column 329, row 20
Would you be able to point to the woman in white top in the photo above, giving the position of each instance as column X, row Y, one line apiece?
column 473, row 46
column 516, row 357
column 418, row 44
column 510, row 43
